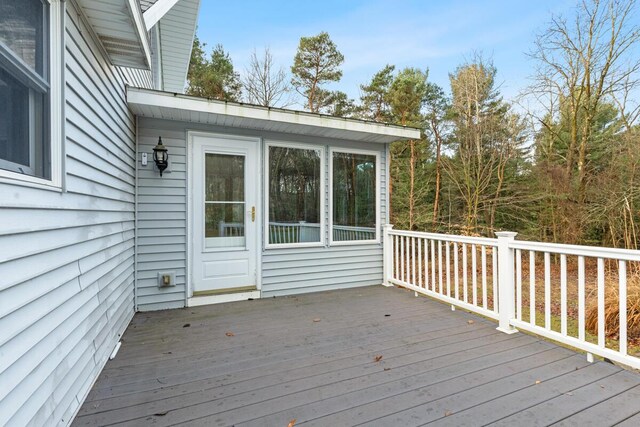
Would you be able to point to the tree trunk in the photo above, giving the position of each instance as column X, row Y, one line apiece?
column 436, row 201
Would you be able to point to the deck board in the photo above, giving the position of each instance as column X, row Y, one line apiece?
column 312, row 358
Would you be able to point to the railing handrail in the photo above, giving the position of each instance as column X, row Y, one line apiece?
column 295, row 224
column 353, row 228
column 472, row 240
column 578, row 250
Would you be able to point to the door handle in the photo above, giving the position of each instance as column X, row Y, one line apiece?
column 253, row 214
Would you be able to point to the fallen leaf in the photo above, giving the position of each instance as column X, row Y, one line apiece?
column 230, row 334
column 538, row 381
column 292, row 423
column 316, row 320
column 387, row 315
column 161, row 414
column 387, row 369
column 471, row 322
column 186, row 325
column 601, row 386
column 377, row 358
column 448, row 413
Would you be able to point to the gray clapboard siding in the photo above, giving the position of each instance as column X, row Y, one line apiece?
column 162, row 219
column 67, row 258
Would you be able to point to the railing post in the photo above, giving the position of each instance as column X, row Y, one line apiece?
column 387, row 254
column 506, row 285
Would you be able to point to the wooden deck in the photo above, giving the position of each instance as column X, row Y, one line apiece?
column 374, row 356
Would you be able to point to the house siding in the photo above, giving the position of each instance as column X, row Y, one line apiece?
column 162, row 225
column 67, row 258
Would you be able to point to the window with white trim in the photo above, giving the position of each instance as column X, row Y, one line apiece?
column 354, row 196
column 295, row 189
column 26, row 149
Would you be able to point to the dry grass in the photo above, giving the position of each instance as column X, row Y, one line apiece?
column 612, row 311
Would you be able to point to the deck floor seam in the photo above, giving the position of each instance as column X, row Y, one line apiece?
column 365, row 388
column 335, row 382
column 517, row 390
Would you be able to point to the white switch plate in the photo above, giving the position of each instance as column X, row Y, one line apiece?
column 144, row 159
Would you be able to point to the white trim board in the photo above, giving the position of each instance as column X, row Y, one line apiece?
column 157, row 11
column 173, row 106
column 220, row 299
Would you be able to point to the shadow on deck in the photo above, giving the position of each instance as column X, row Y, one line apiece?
column 374, row 356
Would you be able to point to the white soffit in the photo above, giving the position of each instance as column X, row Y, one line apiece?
column 119, row 26
column 173, row 106
column 177, row 30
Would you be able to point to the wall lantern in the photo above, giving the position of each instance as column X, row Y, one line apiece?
column 161, row 156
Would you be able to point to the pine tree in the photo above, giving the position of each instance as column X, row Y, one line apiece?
column 316, row 62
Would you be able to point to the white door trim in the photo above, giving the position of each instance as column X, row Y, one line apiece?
column 189, row 299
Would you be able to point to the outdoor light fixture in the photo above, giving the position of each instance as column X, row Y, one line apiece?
column 161, row 156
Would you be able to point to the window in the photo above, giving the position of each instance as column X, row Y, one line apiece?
column 26, row 90
column 224, row 200
column 354, row 196
column 294, row 195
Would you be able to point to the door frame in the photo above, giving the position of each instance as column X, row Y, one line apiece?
column 190, row 212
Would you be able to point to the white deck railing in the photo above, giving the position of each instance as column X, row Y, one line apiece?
column 492, row 277
column 299, row 232
column 349, row 232
column 293, row 232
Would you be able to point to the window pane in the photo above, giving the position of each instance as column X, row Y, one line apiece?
column 354, row 197
column 224, row 224
column 294, row 195
column 23, row 146
column 14, row 122
column 224, row 178
column 21, row 30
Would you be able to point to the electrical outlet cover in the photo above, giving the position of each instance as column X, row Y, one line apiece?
column 166, row 279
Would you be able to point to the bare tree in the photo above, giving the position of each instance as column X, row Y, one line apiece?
column 582, row 62
column 263, row 84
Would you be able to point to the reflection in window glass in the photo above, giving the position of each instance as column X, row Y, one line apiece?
column 24, row 87
column 224, row 178
column 23, row 30
column 294, row 195
column 224, row 220
column 354, row 196
column 224, row 216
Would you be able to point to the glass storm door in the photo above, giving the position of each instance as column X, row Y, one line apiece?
column 225, row 182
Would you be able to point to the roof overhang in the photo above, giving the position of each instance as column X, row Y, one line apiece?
column 120, row 28
column 173, row 106
column 176, row 21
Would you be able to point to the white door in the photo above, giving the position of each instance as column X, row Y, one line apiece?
column 224, row 217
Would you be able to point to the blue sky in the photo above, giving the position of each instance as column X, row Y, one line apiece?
column 438, row 35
